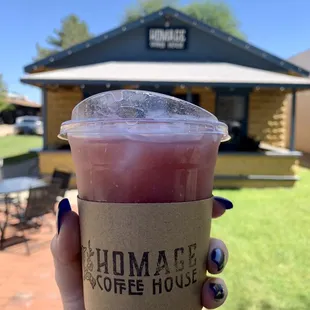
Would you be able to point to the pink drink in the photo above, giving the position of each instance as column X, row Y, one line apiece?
column 124, row 170
column 141, row 147
column 144, row 165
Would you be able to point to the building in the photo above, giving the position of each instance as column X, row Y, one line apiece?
column 172, row 53
column 302, row 129
column 19, row 105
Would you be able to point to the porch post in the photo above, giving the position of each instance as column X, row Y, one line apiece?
column 44, row 117
column 293, row 121
column 189, row 95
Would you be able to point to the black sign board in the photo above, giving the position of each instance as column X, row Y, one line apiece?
column 161, row 38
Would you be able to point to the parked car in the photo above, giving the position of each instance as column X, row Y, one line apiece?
column 31, row 125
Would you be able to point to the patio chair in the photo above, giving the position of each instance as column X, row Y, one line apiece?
column 41, row 201
column 62, row 178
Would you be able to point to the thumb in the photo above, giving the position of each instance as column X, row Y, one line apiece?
column 65, row 248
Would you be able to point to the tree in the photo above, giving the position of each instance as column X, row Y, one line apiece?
column 216, row 14
column 72, row 31
column 145, row 7
column 3, row 95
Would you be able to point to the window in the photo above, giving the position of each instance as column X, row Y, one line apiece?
column 195, row 98
column 232, row 109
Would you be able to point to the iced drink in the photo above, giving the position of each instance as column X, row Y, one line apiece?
column 136, row 170
column 144, row 166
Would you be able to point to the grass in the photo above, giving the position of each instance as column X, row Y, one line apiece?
column 16, row 145
column 268, row 237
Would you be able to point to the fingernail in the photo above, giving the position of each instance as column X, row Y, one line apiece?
column 218, row 258
column 63, row 208
column 227, row 204
column 218, row 291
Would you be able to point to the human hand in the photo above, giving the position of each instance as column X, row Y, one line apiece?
column 66, row 248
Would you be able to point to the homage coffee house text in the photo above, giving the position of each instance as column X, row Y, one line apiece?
column 167, row 38
column 128, row 273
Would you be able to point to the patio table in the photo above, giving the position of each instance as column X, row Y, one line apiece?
column 10, row 186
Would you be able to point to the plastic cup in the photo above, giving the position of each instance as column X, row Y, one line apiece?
column 133, row 146
column 144, row 166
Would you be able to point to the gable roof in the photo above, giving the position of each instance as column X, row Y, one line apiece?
column 302, row 59
column 179, row 16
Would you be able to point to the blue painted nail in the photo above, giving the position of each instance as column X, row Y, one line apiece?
column 227, row 204
column 218, row 258
column 63, row 208
column 218, row 291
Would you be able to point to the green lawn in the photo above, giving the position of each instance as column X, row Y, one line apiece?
column 268, row 236
column 16, row 145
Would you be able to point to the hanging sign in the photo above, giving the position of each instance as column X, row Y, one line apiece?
column 161, row 38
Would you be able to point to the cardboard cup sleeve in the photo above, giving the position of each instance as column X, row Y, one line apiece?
column 144, row 256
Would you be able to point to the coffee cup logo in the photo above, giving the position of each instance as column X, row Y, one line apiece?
column 88, row 265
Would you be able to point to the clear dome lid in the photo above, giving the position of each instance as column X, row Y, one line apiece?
column 139, row 112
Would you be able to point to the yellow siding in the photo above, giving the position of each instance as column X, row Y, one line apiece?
column 60, row 103
column 207, row 97
column 208, row 101
column 228, row 165
column 255, row 165
column 267, row 112
column 267, row 116
column 49, row 161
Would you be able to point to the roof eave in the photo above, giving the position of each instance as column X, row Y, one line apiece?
column 81, row 82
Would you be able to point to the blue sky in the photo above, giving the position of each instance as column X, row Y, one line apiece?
column 280, row 27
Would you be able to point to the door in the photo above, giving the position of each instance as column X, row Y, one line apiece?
column 232, row 109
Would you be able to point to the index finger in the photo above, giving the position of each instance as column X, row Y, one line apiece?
column 220, row 205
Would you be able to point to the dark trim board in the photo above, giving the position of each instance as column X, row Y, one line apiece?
column 168, row 11
column 40, row 82
column 293, row 121
column 44, row 113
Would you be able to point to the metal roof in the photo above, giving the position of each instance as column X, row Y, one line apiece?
column 179, row 16
column 164, row 73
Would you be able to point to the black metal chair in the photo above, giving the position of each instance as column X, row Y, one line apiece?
column 41, row 201
column 62, row 178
